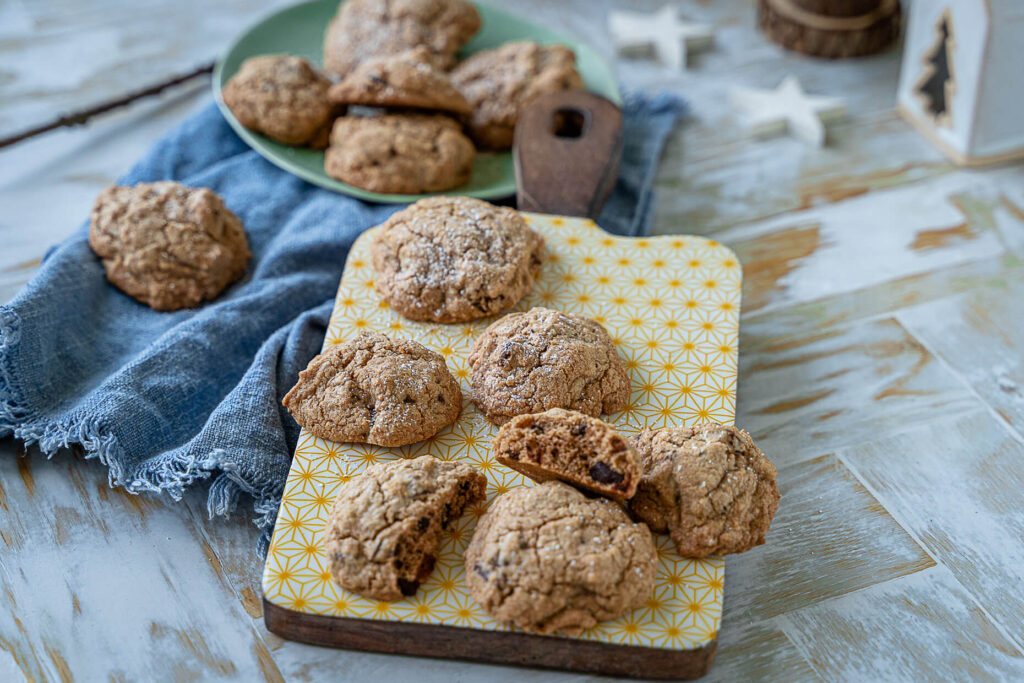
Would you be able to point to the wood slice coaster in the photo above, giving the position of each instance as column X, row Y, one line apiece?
column 834, row 29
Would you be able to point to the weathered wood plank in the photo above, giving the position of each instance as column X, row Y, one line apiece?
column 97, row 582
column 980, row 336
column 870, row 239
column 825, row 518
column 957, row 485
column 921, row 627
column 805, row 395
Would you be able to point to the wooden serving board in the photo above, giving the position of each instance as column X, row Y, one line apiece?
column 671, row 304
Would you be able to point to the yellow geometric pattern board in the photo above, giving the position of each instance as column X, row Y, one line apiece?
column 671, row 304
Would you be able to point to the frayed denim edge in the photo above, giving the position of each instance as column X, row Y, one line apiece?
column 164, row 476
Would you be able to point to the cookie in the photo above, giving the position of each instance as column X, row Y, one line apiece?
column 283, row 98
column 363, row 29
column 531, row 362
column 405, row 80
column 375, row 389
column 385, row 529
column 708, row 486
column 570, row 446
column 547, row 559
column 499, row 82
column 168, row 245
column 453, row 259
column 399, row 153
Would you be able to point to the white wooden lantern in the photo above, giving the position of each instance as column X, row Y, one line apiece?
column 962, row 80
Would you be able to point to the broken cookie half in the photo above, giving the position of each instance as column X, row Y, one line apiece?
column 571, row 447
column 386, row 527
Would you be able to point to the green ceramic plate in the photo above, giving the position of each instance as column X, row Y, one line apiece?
column 299, row 30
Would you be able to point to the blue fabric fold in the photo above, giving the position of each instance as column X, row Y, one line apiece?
column 166, row 400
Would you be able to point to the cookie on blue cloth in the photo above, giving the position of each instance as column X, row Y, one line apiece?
column 168, row 245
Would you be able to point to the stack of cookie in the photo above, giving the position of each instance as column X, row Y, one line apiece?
column 403, row 117
column 554, row 558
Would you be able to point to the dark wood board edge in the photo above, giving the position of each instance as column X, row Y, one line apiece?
column 489, row 647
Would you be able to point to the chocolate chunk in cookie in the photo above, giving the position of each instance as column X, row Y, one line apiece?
column 405, row 80
column 452, row 259
column 384, row 531
column 570, row 446
column 548, row 559
column 531, row 362
column 709, row 486
column 363, row 29
column 399, row 153
column 283, row 98
column 168, row 245
column 375, row 389
column 499, row 82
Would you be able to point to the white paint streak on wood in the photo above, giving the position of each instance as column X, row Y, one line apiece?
column 988, row 322
column 958, row 486
column 922, row 627
column 807, row 395
column 96, row 582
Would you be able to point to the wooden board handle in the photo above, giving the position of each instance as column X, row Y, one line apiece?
column 567, row 150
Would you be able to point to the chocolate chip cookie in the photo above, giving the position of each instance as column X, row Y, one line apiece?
column 363, row 29
column 452, row 259
column 399, row 153
column 375, row 389
column 386, row 526
column 283, row 98
column 168, row 245
column 708, row 486
column 548, row 559
column 405, row 80
column 570, row 446
column 531, row 362
column 499, row 82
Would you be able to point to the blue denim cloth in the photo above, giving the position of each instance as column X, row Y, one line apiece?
column 169, row 399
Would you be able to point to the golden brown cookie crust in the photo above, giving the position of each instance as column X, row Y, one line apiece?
column 363, row 29
column 547, row 559
column 375, row 389
column 282, row 97
column 499, row 82
column 399, row 153
column 453, row 259
column 708, row 486
column 167, row 245
column 405, row 80
column 572, row 447
column 541, row 359
column 386, row 527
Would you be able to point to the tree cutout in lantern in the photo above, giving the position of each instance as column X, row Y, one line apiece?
column 936, row 86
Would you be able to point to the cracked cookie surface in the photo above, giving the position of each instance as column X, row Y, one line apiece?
column 386, row 526
column 499, row 82
column 375, row 389
column 453, row 259
column 399, row 153
column 541, row 359
column 547, row 559
column 363, row 29
column 167, row 245
column 405, row 80
column 570, row 446
column 708, row 486
column 282, row 97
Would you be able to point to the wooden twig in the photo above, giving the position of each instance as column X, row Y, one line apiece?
column 81, row 117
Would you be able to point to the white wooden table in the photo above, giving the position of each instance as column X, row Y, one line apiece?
column 881, row 369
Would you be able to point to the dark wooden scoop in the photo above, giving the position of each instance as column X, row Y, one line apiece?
column 567, row 150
